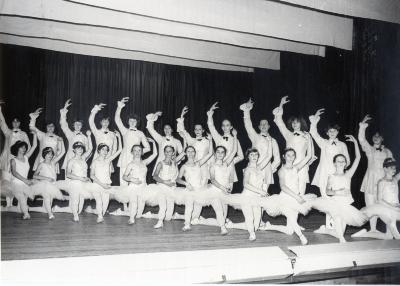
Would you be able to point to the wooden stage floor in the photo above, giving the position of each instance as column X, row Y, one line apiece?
column 61, row 237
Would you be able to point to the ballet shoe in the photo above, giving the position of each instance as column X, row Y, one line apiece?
column 51, row 216
column 224, row 231
column 262, row 225
column 303, row 240
column 186, row 228
column 159, row 224
column 100, row 219
column 26, row 216
column 195, row 221
column 76, row 218
column 252, row 236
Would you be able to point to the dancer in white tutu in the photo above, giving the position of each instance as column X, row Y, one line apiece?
column 44, row 181
column 135, row 175
column 72, row 136
column 78, row 185
column 19, row 186
column 387, row 206
column 295, row 135
column 376, row 154
column 100, row 173
column 162, row 141
column 226, row 140
column 261, row 141
column 338, row 203
column 200, row 142
column 196, row 195
column 48, row 139
column 131, row 136
column 290, row 201
column 103, row 135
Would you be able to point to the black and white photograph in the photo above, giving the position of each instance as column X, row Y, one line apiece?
column 179, row 142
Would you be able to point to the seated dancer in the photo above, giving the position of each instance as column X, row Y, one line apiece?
column 77, row 184
column 72, row 136
column 162, row 141
column 260, row 141
column 196, row 194
column 227, row 140
column 200, row 142
column 100, row 173
column 329, row 149
column 338, row 203
column 290, row 201
column 135, row 175
column 387, row 206
column 295, row 134
column 48, row 139
column 131, row 136
column 376, row 154
column 165, row 175
column 103, row 135
column 44, row 181
column 19, row 185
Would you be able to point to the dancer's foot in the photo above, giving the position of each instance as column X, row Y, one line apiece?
column 51, row 216
column 175, row 216
column 100, row 219
column 342, row 240
column 252, row 236
column 159, row 224
column 186, row 227
column 224, row 231
column 26, row 216
column 131, row 221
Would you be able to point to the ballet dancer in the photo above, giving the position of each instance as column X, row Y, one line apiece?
column 295, row 135
column 102, row 135
column 226, row 140
column 135, row 175
column 338, row 203
column 387, row 206
column 20, row 184
column 100, row 173
column 376, row 154
column 72, row 136
column 48, row 139
column 260, row 141
column 131, row 136
column 162, row 141
column 290, row 201
column 44, row 178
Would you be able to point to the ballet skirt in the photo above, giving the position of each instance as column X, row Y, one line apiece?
column 6, row 188
column 339, row 205
column 18, row 186
column 45, row 188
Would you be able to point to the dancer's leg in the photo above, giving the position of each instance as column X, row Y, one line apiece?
column 170, row 208
column 23, row 204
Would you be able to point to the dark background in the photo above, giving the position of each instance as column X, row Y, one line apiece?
column 348, row 84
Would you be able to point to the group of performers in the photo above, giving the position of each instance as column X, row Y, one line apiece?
column 196, row 174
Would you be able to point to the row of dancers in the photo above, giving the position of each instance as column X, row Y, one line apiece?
column 207, row 177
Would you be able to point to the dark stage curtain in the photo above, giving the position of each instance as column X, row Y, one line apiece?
column 348, row 84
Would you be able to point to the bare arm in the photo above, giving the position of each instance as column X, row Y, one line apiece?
column 88, row 152
column 251, row 132
column 117, row 117
column 119, row 150
column 145, row 143
column 151, row 118
column 229, row 159
column 267, row 158
column 3, row 124
column 361, row 134
column 63, row 120
column 210, row 123
column 34, row 145
column 239, row 155
column 314, row 119
column 180, row 178
column 93, row 113
column 278, row 114
column 153, row 155
column 207, row 157
column 61, row 151
column 276, row 154
column 356, row 161
column 32, row 123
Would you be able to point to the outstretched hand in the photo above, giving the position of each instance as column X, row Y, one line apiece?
column 210, row 112
column 284, row 100
column 36, row 113
column 350, row 138
column 158, row 113
column 247, row 105
column 123, row 101
column 68, row 103
column 365, row 120
column 184, row 111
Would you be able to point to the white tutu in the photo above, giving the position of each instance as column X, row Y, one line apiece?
column 79, row 188
column 180, row 196
column 125, row 194
column 385, row 213
column 6, row 188
column 239, row 201
column 335, row 208
column 46, row 189
column 207, row 196
column 284, row 204
column 18, row 188
column 153, row 193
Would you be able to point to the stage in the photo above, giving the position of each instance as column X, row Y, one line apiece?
column 201, row 255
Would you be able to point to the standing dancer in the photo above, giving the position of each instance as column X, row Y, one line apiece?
column 261, row 141
column 387, row 207
column 227, row 140
column 135, row 174
column 102, row 135
column 338, row 203
column 296, row 138
column 45, row 176
column 162, row 141
column 48, row 139
column 72, row 136
column 100, row 173
column 131, row 136
column 290, row 202
column 376, row 154
column 20, row 184
column 200, row 142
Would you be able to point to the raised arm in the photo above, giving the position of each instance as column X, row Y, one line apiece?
column 267, row 158
column 117, row 117
column 314, row 119
column 151, row 118
column 308, row 156
column 278, row 114
column 153, row 155
column 93, row 113
column 63, row 120
column 211, row 126
column 239, row 154
column 276, row 154
column 119, row 150
column 34, row 145
column 88, row 152
column 251, row 132
column 207, row 157
column 32, row 123
column 361, row 134
column 180, row 127
column 61, row 150
column 356, row 161
column 3, row 124
column 230, row 158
